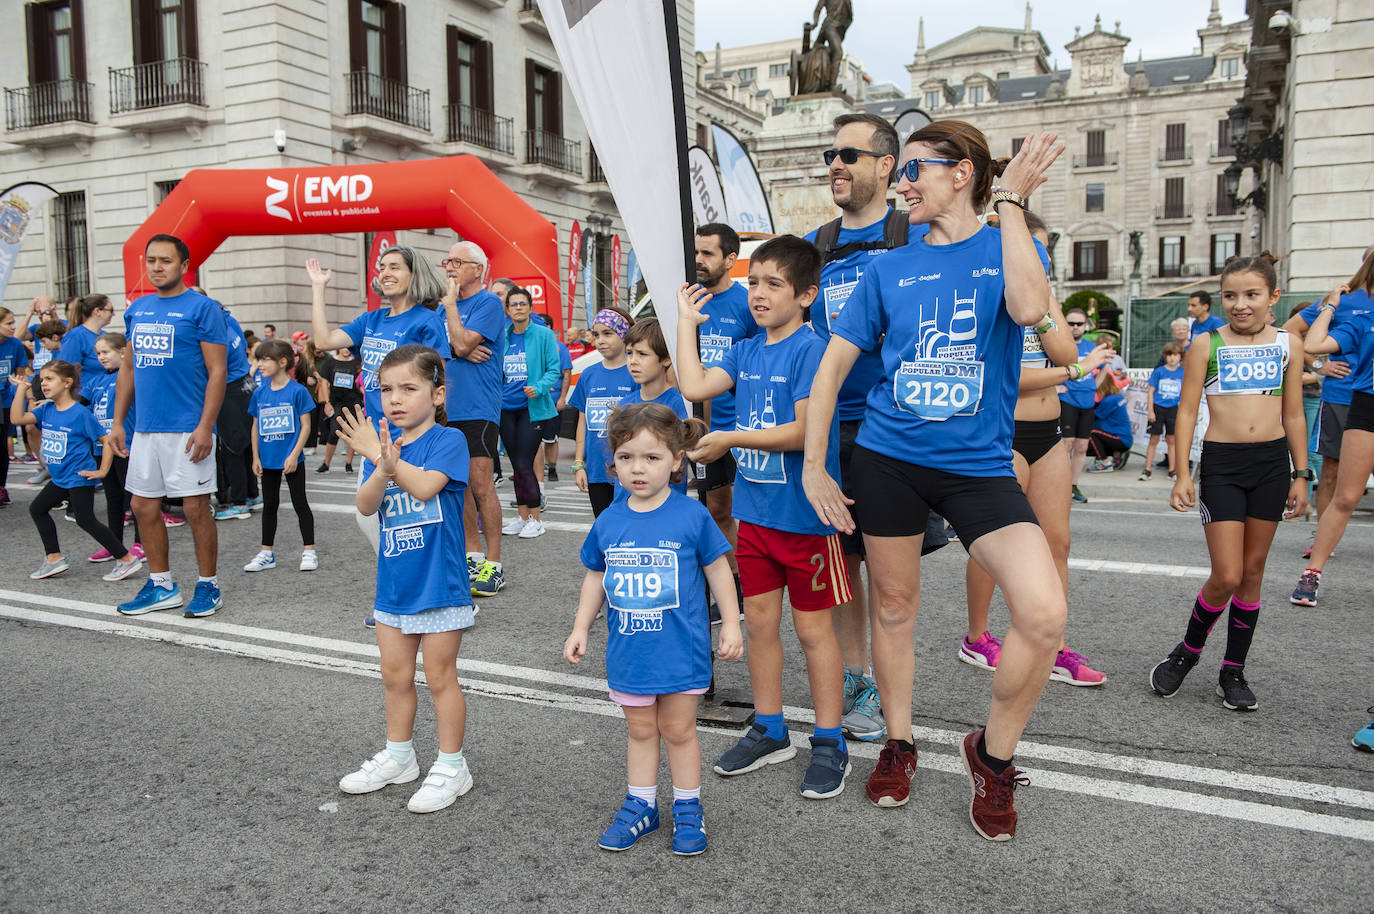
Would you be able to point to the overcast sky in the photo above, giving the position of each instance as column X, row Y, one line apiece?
column 883, row 35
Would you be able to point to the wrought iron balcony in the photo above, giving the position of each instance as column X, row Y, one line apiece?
column 595, row 173
column 467, row 124
column 1175, row 211
column 553, row 151
column 1100, row 160
column 391, row 99
column 48, row 103
column 179, row 81
column 1182, row 155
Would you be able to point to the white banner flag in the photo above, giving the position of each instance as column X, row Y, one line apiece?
column 744, row 197
column 708, row 200
column 623, row 63
column 18, row 205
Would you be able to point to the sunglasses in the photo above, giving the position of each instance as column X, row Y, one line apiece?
column 1077, row 323
column 911, row 168
column 849, row 155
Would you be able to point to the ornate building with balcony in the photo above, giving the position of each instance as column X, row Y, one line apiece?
column 112, row 103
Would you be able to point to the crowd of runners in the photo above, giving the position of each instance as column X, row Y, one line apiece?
column 886, row 382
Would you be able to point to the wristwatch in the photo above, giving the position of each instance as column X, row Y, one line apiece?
column 1318, row 363
column 1303, row 474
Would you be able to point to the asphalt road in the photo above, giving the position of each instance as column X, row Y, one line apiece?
column 166, row 764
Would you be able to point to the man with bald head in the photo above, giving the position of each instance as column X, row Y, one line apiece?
column 476, row 321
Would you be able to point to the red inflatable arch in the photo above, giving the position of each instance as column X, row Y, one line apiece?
column 210, row 205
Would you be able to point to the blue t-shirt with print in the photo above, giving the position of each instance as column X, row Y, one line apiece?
column 564, row 364
column 1168, row 384
column 41, row 355
column 1356, row 339
column 951, row 355
column 69, row 437
column 659, row 639
column 674, row 400
column 102, row 397
column 598, row 391
column 78, row 347
column 236, row 354
column 1083, row 392
column 474, row 390
column 729, row 320
column 422, row 563
column 13, row 356
column 515, row 370
column 838, row 279
column 170, row 376
column 1339, row 390
column 376, row 333
column 279, row 414
column 1110, row 416
column 1206, row 325
column 769, row 380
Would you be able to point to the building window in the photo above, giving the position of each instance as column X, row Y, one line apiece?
column 162, row 190
column 975, row 95
column 1004, row 74
column 1016, row 145
column 56, row 42
column 1093, row 202
column 1225, row 205
column 703, row 135
column 69, row 244
column 1097, row 148
column 1171, row 255
column 776, row 70
column 377, row 38
column 1230, row 67
column 164, row 30
column 1224, row 247
column 932, row 99
column 1173, row 198
column 1224, row 145
column 1174, row 137
column 543, row 99
column 1090, row 260
column 748, row 74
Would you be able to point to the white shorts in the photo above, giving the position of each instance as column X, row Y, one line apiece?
column 159, row 466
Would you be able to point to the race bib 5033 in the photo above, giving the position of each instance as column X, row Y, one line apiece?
column 154, row 343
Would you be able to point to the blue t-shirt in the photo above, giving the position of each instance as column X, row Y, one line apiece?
column 474, row 391
column 1206, row 325
column 69, row 437
column 41, row 355
column 1111, row 417
column 564, row 364
column 516, row 372
column 672, row 399
column 1083, row 392
column 598, row 391
column 236, row 354
column 769, row 380
column 170, row 376
column 660, row 636
column 78, row 347
column 1340, row 390
column 838, row 279
column 1356, row 339
column 951, row 355
column 13, row 356
column 279, row 414
column 102, row 397
column 375, row 333
column 422, row 560
column 729, row 320
column 1168, row 384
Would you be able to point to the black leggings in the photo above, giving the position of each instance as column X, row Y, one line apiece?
column 521, row 438
column 5, row 451
column 601, row 494
column 117, row 498
column 271, row 501
column 81, row 502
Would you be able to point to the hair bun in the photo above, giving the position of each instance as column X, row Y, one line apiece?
column 1265, row 255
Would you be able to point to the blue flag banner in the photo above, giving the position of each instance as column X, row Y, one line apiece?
column 18, row 206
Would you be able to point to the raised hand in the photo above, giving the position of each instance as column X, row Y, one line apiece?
column 1026, row 171
column 690, row 299
column 391, row 449
column 318, row 275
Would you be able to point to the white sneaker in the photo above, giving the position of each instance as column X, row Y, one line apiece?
column 532, row 529
column 379, row 771
column 442, row 786
column 122, row 570
column 310, row 560
column 513, row 526
column 263, row 561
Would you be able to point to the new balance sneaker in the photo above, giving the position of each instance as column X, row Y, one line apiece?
column 753, row 751
column 151, row 598
column 532, row 529
column 263, row 561
column 689, row 827
column 310, row 560
column 100, row 555
column 890, row 782
column 983, row 653
column 632, row 821
column 862, row 711
column 513, row 526
column 488, row 581
column 991, row 811
column 1234, row 691
column 1305, row 594
column 233, row 512
column 379, row 771
column 122, row 570
column 1073, row 669
column 1364, row 740
column 171, row 520
column 206, row 601
column 50, row 568
column 829, row 767
column 1169, row 674
column 442, row 786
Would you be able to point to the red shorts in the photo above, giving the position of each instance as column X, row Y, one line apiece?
column 809, row 565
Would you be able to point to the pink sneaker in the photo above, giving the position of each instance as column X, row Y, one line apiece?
column 102, row 556
column 982, row 653
column 137, row 550
column 172, row 521
column 1073, row 669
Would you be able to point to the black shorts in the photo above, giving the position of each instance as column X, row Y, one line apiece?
column 1075, row 421
column 1166, row 418
column 548, row 430
column 1034, row 439
column 849, row 430
column 1332, row 420
column 484, row 437
column 894, row 498
column 341, row 406
column 1361, row 415
column 717, row 474
column 1240, row 480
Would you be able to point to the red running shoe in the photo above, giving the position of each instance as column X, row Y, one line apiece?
column 991, row 811
column 890, row 782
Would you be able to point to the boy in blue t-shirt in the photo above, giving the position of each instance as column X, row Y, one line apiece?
column 781, row 544
column 1166, row 387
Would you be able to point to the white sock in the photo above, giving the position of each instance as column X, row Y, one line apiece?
column 477, row 557
column 212, row 580
column 680, row 794
column 496, row 565
column 400, row 751
column 162, row 579
column 647, row 794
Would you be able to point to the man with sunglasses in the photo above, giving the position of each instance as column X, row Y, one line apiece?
column 1077, row 402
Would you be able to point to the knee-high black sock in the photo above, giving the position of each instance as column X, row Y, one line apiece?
column 1200, row 624
column 1240, row 631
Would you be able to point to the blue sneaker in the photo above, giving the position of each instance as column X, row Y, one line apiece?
column 257, row 502
column 862, row 711
column 370, row 621
column 689, row 828
column 753, row 751
column 829, row 767
column 1364, row 740
column 232, row 512
column 632, row 821
column 150, row 599
column 205, row 602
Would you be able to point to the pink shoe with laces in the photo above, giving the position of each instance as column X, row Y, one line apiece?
column 103, row 555
column 983, row 653
column 1073, row 669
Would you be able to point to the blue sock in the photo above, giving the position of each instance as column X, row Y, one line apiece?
column 452, row 759
column 400, row 751
column 772, row 725
column 829, row 733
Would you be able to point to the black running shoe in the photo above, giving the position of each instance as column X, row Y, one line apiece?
column 1234, row 691
column 551, row 473
column 322, row 468
column 1169, row 675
